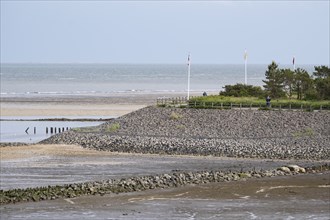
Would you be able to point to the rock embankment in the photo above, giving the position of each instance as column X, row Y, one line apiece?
column 271, row 148
column 213, row 123
column 233, row 133
column 141, row 183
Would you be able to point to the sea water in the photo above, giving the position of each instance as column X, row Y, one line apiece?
column 28, row 131
column 106, row 79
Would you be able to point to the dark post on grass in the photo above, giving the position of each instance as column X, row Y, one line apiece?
column 268, row 102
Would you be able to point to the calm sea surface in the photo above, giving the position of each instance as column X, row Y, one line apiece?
column 106, row 79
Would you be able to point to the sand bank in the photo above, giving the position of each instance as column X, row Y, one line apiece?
column 112, row 105
column 59, row 109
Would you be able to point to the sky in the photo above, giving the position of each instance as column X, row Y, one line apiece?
column 216, row 32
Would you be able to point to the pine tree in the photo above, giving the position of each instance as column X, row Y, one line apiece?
column 288, row 81
column 322, row 82
column 303, row 83
column 274, row 81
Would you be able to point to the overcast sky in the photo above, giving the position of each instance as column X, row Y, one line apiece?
column 165, row 31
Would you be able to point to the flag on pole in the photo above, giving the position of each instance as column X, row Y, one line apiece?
column 245, row 55
column 245, row 59
column 293, row 59
column 188, row 89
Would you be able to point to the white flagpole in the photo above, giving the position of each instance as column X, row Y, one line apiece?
column 245, row 59
column 188, row 76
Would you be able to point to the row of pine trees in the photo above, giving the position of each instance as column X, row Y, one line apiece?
column 297, row 83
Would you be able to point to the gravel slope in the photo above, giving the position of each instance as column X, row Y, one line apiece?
column 234, row 133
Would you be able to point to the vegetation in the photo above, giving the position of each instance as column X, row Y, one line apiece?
column 224, row 101
column 274, row 81
column 175, row 116
column 322, row 82
column 241, row 90
column 113, row 127
column 86, row 129
column 287, row 84
column 306, row 132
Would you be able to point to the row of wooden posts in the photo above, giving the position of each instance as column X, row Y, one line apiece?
column 50, row 130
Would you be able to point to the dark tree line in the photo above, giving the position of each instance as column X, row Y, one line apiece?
column 286, row 83
column 282, row 83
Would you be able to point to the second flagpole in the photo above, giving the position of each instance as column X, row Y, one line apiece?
column 188, row 77
column 245, row 60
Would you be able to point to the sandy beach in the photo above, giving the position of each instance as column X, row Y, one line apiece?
column 113, row 105
column 59, row 109
column 72, row 106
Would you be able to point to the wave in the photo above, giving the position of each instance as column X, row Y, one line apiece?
column 67, row 78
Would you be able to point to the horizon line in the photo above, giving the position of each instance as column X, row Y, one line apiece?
column 155, row 63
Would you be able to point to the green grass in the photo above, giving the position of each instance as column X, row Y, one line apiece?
column 306, row 132
column 113, row 127
column 216, row 100
column 87, row 129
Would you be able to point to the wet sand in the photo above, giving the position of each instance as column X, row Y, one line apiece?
column 42, row 165
column 305, row 196
column 296, row 197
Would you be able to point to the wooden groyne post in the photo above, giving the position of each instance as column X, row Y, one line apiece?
column 55, row 130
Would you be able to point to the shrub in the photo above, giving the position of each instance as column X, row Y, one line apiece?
column 241, row 90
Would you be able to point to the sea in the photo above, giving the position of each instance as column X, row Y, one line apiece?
column 60, row 80
column 105, row 79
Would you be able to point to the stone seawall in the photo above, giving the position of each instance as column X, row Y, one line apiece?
column 232, row 133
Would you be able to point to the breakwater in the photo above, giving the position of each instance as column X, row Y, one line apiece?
column 232, row 133
column 142, row 183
